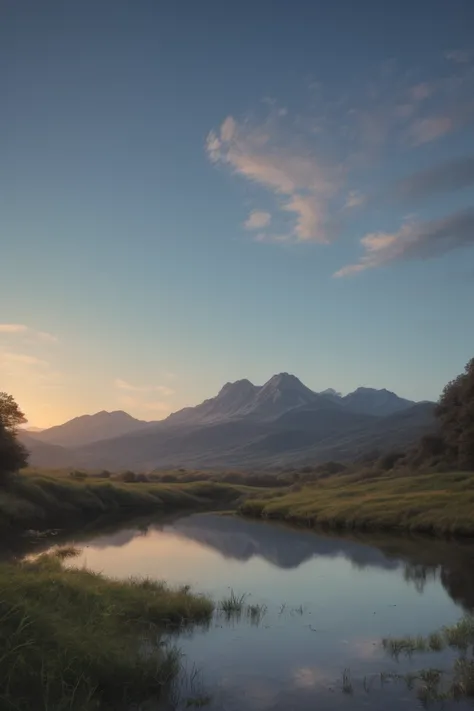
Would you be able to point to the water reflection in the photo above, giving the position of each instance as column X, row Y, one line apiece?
column 329, row 601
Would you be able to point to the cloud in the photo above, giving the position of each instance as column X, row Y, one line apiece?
column 310, row 216
column 257, row 219
column 22, row 359
column 429, row 129
column 308, row 161
column 20, row 328
column 415, row 240
column 422, row 91
column 124, row 385
column 354, row 199
column 12, row 328
column 301, row 183
column 460, row 56
column 446, row 177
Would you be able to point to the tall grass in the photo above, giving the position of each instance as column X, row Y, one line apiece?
column 438, row 504
column 39, row 500
column 72, row 639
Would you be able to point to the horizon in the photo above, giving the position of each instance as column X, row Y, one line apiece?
column 196, row 207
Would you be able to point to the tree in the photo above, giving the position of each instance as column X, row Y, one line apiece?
column 455, row 412
column 11, row 416
column 13, row 455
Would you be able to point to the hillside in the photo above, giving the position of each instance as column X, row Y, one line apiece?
column 90, row 428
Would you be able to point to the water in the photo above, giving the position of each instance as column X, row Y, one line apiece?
column 329, row 600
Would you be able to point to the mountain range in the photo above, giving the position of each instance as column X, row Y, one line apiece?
column 282, row 422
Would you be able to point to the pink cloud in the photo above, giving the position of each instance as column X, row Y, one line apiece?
column 257, row 219
column 429, row 129
column 415, row 240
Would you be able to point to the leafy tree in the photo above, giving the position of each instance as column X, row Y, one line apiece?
column 11, row 416
column 455, row 412
column 13, row 455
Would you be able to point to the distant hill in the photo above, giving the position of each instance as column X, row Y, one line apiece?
column 375, row 402
column 282, row 422
column 46, row 455
column 90, row 428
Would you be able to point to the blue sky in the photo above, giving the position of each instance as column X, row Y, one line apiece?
column 194, row 193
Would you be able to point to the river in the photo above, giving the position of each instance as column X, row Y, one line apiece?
column 327, row 602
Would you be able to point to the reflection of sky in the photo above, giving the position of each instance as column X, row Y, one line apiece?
column 347, row 608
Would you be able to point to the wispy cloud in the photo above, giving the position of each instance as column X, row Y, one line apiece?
column 22, row 359
column 319, row 165
column 354, row 199
column 425, row 130
column 22, row 329
column 125, row 385
column 460, row 56
column 415, row 240
column 301, row 182
column 445, row 177
column 257, row 220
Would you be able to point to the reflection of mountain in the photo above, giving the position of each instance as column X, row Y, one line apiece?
column 423, row 559
column 284, row 547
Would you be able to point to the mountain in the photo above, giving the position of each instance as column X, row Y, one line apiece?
column 375, row 402
column 331, row 394
column 90, row 428
column 300, row 436
column 227, row 404
column 282, row 422
column 46, row 455
column 243, row 399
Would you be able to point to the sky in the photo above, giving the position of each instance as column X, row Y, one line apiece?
column 197, row 192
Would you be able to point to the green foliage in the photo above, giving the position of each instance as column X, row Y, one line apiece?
column 456, row 415
column 13, row 455
column 72, row 639
column 11, row 416
column 49, row 500
column 437, row 504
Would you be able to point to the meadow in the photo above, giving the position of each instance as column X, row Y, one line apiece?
column 40, row 500
column 431, row 503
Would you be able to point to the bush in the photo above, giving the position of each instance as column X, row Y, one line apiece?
column 13, row 455
column 127, row 477
column 80, row 476
column 389, row 460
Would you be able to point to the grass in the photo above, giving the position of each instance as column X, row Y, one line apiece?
column 437, row 504
column 232, row 605
column 459, row 682
column 459, row 637
column 72, row 639
column 38, row 500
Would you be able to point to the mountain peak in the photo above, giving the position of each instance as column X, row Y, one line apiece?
column 239, row 386
column 89, row 428
column 285, row 380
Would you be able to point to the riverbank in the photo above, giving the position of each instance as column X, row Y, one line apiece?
column 73, row 639
column 48, row 500
column 435, row 504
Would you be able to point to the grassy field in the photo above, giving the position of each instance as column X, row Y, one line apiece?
column 38, row 500
column 438, row 504
column 72, row 639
